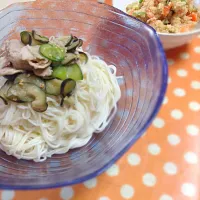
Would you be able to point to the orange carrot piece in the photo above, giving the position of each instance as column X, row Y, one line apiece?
column 193, row 16
column 167, row 9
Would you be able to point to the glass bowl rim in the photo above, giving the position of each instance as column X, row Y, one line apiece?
column 132, row 141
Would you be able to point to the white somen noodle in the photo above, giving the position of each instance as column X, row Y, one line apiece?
column 31, row 135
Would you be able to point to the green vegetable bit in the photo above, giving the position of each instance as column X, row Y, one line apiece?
column 52, row 53
column 60, row 72
column 72, row 71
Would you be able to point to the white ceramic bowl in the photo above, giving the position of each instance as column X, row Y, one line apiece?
column 169, row 41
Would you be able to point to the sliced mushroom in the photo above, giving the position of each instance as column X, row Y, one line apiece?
column 30, row 78
column 53, row 87
column 28, row 92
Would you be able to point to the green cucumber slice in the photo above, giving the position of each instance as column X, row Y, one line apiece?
column 60, row 72
column 72, row 71
column 52, row 52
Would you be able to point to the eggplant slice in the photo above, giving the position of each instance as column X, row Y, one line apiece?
column 73, row 46
column 69, row 40
column 3, row 91
column 40, row 38
column 53, row 87
column 83, row 57
column 27, row 92
column 30, row 78
column 67, row 88
column 26, row 38
column 69, row 58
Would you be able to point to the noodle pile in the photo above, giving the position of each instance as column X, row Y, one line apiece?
column 31, row 135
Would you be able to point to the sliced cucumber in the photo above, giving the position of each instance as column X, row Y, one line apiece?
column 53, row 53
column 53, row 87
column 67, row 88
column 39, row 38
column 30, row 78
column 60, row 72
column 55, row 64
column 26, row 38
column 83, row 57
column 72, row 71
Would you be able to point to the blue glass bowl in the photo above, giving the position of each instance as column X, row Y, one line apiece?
column 130, row 45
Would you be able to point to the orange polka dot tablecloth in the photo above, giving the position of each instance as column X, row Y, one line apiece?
column 165, row 163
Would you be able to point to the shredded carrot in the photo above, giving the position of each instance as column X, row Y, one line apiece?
column 193, row 16
column 167, row 9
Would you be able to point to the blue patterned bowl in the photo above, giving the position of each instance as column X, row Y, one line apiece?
column 133, row 47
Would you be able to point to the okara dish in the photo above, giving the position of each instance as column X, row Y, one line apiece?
column 166, row 16
column 54, row 96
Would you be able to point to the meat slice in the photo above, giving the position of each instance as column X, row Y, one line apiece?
column 34, row 58
column 43, row 72
column 14, row 55
column 19, row 58
column 39, row 64
column 9, row 71
column 6, row 68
